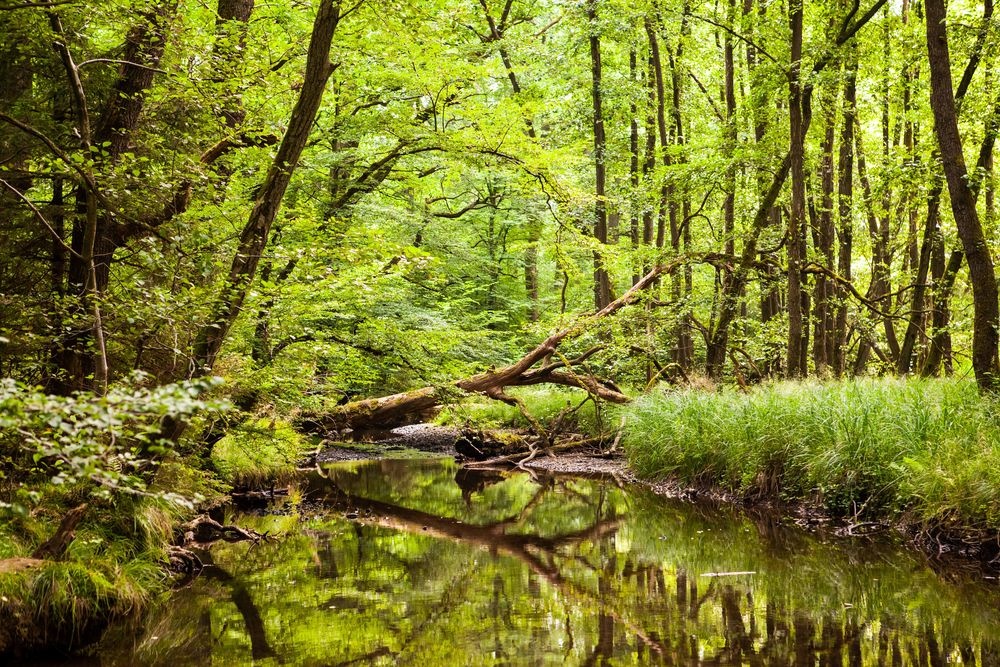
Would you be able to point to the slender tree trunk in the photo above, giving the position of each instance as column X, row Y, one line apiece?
column 963, row 204
column 81, row 356
column 633, row 169
column 253, row 238
column 917, row 318
column 878, row 289
column 824, row 338
column 680, row 226
column 649, row 155
column 602, row 282
column 845, row 211
column 796, row 222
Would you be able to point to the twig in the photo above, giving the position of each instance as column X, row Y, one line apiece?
column 554, row 448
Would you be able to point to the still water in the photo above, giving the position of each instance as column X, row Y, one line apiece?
column 425, row 563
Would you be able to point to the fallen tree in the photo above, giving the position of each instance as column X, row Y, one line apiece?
column 536, row 367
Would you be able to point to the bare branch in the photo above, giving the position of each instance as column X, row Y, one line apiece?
column 41, row 218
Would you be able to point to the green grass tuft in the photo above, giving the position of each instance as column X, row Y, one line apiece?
column 869, row 447
column 259, row 451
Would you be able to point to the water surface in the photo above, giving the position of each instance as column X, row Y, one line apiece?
column 425, row 563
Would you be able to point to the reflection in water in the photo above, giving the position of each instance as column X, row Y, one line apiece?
column 424, row 563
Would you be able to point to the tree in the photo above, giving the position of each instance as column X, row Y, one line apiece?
column 963, row 203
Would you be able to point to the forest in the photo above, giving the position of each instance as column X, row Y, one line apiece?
column 748, row 244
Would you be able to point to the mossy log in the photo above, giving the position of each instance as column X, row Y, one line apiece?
column 480, row 445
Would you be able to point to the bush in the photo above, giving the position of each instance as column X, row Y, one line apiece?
column 257, row 451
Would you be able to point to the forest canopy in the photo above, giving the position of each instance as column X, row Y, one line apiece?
column 328, row 200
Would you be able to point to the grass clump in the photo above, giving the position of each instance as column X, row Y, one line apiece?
column 113, row 567
column 865, row 447
column 259, row 451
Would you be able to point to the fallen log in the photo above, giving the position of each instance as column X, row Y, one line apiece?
column 524, row 456
column 204, row 529
column 388, row 411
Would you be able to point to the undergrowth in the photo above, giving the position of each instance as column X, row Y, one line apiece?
column 862, row 448
column 113, row 567
column 259, row 450
column 554, row 407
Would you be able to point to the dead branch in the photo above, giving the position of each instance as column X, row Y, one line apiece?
column 54, row 547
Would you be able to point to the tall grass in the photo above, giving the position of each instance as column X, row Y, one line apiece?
column 862, row 447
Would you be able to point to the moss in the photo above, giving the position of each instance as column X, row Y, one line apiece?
column 259, row 451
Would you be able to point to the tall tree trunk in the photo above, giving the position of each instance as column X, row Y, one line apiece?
column 680, row 211
column 602, row 282
column 633, row 169
column 823, row 338
column 796, row 222
column 95, row 235
column 253, row 238
column 963, row 204
column 878, row 289
column 915, row 325
column 845, row 210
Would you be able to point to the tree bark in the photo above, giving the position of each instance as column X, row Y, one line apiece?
column 254, row 236
column 845, row 211
column 823, row 235
column 602, row 282
column 914, row 326
column 963, row 204
column 796, row 221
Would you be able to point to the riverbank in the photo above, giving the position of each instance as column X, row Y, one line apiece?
column 921, row 458
column 920, row 455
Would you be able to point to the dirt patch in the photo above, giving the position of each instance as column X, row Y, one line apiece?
column 11, row 565
column 584, row 465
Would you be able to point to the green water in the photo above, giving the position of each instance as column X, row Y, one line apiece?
column 423, row 563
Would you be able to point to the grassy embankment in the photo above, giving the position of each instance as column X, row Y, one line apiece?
column 115, row 564
column 926, row 451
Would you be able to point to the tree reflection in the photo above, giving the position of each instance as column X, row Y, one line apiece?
column 434, row 566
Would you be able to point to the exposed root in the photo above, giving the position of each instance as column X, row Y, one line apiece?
column 183, row 561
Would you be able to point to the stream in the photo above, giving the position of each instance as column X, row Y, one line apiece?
column 422, row 562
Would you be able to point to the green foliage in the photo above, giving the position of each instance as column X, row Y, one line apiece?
column 570, row 407
column 866, row 447
column 257, row 451
column 103, row 445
